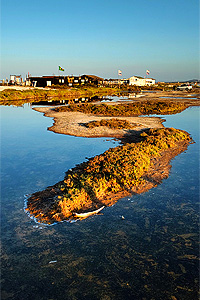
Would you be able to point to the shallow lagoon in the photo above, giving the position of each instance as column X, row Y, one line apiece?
column 150, row 254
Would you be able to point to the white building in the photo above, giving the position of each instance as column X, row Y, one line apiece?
column 15, row 79
column 140, row 81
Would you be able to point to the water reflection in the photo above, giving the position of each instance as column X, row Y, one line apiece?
column 125, row 96
column 58, row 102
column 150, row 254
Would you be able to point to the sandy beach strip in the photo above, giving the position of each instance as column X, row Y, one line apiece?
column 20, row 88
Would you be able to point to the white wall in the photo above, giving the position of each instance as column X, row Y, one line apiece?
column 134, row 80
column 150, row 81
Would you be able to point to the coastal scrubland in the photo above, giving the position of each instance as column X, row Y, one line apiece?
column 34, row 94
column 127, row 109
column 111, row 123
column 12, row 95
column 103, row 179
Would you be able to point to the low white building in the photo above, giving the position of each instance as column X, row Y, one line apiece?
column 140, row 81
column 16, row 79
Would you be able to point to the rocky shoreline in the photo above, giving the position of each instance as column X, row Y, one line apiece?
column 86, row 188
column 95, row 184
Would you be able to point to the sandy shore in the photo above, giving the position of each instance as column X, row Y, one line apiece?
column 72, row 123
column 19, row 88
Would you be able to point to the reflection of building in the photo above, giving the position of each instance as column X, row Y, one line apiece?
column 140, row 81
column 58, row 101
column 64, row 80
column 15, row 79
column 135, row 95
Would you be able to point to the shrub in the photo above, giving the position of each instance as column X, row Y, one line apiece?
column 127, row 109
column 111, row 123
column 115, row 170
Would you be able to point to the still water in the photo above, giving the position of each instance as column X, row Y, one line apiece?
column 151, row 253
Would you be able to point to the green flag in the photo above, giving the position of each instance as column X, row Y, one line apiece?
column 61, row 69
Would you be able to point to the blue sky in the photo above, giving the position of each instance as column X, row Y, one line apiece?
column 100, row 37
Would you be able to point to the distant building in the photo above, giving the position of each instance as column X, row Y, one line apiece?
column 63, row 80
column 115, row 81
column 134, row 80
column 140, row 81
column 44, row 81
column 15, row 79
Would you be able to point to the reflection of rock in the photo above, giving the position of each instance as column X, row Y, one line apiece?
column 101, row 181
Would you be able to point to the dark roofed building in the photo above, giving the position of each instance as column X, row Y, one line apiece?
column 93, row 79
column 44, row 81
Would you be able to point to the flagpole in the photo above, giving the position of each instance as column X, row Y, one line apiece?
column 119, row 74
column 118, row 78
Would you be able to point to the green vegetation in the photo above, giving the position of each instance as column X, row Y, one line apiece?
column 127, row 109
column 115, row 170
column 65, row 93
column 111, row 123
column 12, row 94
column 119, row 169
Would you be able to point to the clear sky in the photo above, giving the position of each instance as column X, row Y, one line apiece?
column 99, row 37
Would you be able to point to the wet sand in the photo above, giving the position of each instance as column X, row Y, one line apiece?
column 19, row 88
column 72, row 123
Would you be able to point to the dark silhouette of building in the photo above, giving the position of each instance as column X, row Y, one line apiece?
column 44, row 81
